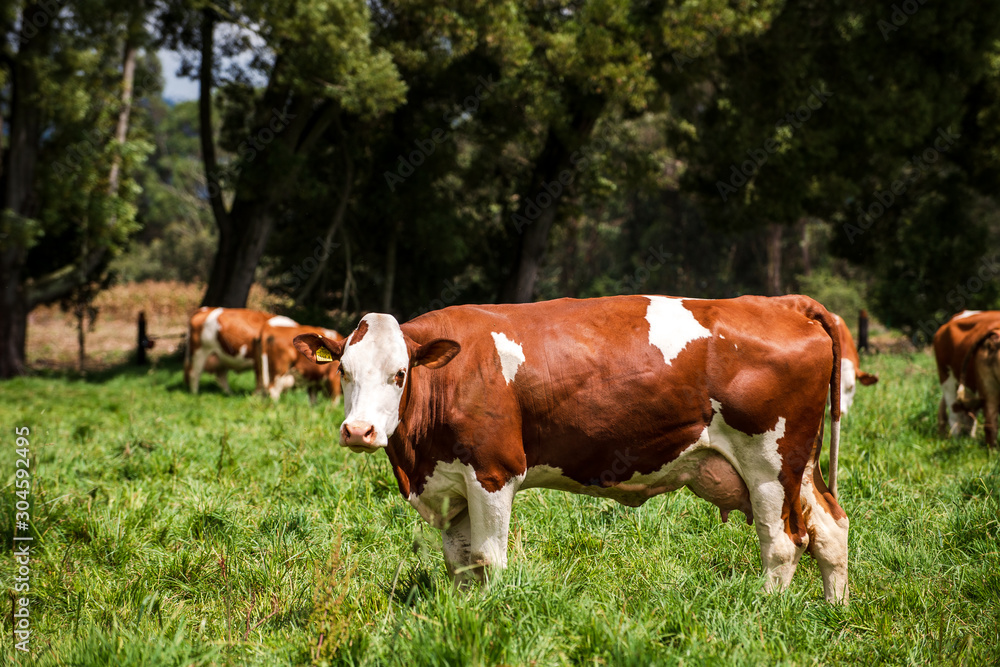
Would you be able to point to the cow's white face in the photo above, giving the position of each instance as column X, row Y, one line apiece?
column 375, row 363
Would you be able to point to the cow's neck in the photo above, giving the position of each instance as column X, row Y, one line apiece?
column 404, row 445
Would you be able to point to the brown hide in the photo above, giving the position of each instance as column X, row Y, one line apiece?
column 593, row 395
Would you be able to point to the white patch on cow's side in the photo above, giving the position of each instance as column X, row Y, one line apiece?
column 210, row 344
column 282, row 321
column 672, row 326
column 210, row 328
column 848, row 385
column 722, row 337
column 511, row 355
column 966, row 313
column 740, row 450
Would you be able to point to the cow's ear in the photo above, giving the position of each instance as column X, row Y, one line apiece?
column 319, row 349
column 867, row 380
column 436, row 353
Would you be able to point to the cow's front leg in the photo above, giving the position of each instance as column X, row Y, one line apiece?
column 489, row 513
column 198, row 359
column 457, row 541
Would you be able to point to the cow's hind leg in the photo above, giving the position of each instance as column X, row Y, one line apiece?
column 827, row 525
column 779, row 552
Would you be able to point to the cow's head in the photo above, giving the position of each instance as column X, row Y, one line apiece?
column 375, row 364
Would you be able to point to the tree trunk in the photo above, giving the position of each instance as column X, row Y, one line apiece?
column 774, row 259
column 331, row 232
column 121, row 129
column 533, row 245
column 20, row 203
column 245, row 229
column 13, row 320
column 545, row 186
column 238, row 255
column 349, row 287
column 805, row 242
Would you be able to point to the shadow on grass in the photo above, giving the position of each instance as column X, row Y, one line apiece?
column 416, row 585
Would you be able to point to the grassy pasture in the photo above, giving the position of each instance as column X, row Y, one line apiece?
column 173, row 529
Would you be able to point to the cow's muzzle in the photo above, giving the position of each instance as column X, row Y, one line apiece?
column 358, row 436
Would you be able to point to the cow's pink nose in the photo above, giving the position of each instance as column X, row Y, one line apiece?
column 357, row 433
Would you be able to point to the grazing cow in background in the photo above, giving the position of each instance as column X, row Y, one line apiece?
column 225, row 334
column 619, row 397
column 966, row 348
column 850, row 367
column 279, row 365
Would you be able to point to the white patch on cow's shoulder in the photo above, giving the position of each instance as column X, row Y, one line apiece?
column 243, row 351
column 282, row 321
column 511, row 355
column 966, row 313
column 672, row 326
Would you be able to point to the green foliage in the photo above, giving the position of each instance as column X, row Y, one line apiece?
column 142, row 489
column 841, row 295
column 178, row 238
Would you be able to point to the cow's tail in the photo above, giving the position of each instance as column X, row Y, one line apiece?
column 815, row 311
column 834, row 402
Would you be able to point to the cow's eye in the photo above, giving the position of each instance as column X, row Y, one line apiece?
column 399, row 377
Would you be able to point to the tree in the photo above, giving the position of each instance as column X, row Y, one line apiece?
column 824, row 110
column 320, row 68
column 65, row 189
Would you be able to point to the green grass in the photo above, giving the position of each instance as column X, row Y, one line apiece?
column 174, row 529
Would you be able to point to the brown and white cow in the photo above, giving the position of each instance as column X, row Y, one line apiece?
column 619, row 397
column 850, row 367
column 279, row 365
column 221, row 340
column 966, row 348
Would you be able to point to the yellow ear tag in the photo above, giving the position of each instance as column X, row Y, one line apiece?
column 323, row 354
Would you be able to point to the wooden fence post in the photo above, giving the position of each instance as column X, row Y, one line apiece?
column 863, row 330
